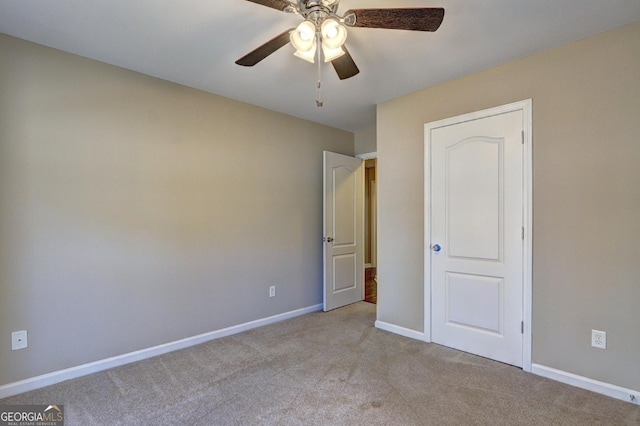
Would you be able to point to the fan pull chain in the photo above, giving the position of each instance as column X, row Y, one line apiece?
column 319, row 102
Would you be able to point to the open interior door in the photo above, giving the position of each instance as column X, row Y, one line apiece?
column 343, row 230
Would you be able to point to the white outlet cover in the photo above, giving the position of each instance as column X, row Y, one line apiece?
column 18, row 340
column 599, row 339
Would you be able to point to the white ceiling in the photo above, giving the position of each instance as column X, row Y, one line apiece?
column 196, row 42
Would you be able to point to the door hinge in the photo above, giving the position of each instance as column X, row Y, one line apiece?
column 522, row 133
column 523, row 232
column 521, row 327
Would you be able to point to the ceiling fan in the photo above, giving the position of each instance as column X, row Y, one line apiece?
column 323, row 32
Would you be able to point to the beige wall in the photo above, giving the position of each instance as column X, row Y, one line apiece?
column 586, row 201
column 365, row 141
column 135, row 212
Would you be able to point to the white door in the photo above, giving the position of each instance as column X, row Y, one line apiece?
column 477, row 235
column 343, row 230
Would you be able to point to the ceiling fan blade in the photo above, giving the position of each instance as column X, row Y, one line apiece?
column 274, row 4
column 414, row 19
column 345, row 66
column 256, row 55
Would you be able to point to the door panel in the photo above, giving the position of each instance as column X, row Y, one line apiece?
column 474, row 213
column 345, row 269
column 343, row 253
column 344, row 185
column 476, row 204
column 486, row 311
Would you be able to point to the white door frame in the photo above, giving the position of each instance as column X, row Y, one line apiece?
column 527, row 109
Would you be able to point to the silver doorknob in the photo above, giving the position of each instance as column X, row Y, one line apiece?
column 436, row 248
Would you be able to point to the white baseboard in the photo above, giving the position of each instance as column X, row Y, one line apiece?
column 406, row 332
column 116, row 361
column 628, row 395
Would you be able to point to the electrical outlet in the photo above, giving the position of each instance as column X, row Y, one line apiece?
column 272, row 291
column 599, row 339
column 18, row 340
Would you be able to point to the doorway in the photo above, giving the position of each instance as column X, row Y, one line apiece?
column 370, row 228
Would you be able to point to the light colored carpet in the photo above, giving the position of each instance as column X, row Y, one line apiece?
column 325, row 369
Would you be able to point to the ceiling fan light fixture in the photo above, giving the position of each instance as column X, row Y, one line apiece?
column 307, row 55
column 331, row 54
column 303, row 39
column 334, row 34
